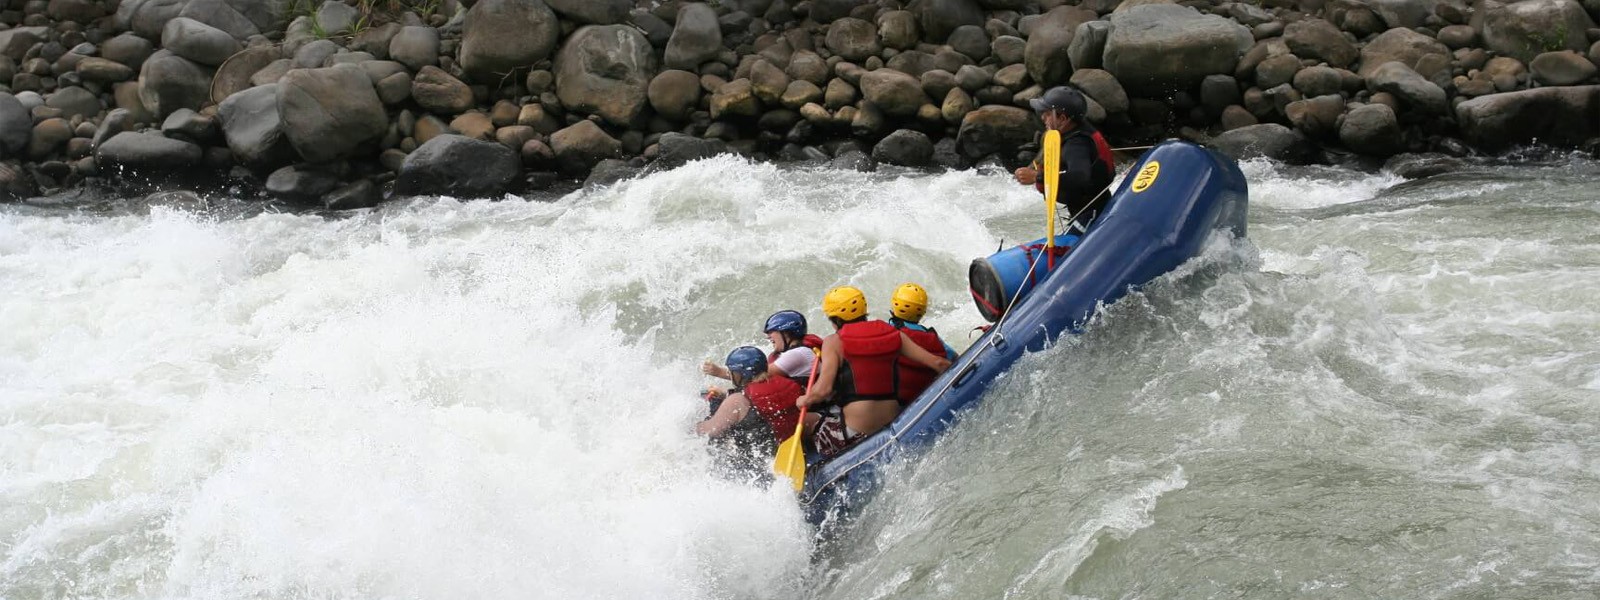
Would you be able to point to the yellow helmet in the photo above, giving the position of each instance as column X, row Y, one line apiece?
column 909, row 303
column 845, row 302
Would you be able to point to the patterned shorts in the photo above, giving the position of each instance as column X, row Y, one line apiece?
column 832, row 436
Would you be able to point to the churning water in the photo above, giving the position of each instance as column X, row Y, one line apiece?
column 1391, row 390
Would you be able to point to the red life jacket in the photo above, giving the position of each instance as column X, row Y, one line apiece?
column 914, row 377
column 870, row 347
column 773, row 398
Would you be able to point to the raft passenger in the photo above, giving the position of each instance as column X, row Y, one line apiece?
column 907, row 307
column 773, row 397
column 857, row 375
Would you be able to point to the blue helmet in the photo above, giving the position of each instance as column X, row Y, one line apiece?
column 746, row 362
column 787, row 321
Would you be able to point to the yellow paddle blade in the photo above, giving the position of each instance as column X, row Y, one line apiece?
column 791, row 460
column 1052, row 170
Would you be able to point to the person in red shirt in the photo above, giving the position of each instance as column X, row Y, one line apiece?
column 756, row 389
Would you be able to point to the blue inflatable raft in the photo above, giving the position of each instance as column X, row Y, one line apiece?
column 1158, row 218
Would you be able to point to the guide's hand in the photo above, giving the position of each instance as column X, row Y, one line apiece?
column 1026, row 176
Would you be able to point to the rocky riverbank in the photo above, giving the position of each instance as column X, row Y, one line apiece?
column 342, row 104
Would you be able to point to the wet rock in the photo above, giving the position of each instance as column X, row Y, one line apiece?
column 992, row 129
column 241, row 21
column 101, row 70
column 1318, row 81
column 1103, row 88
column 1050, row 41
column 16, row 42
column 147, row 151
column 657, row 30
column 415, row 47
column 1458, row 36
column 1316, row 117
column 768, row 82
column 394, row 89
column 609, row 172
column 1427, row 164
column 1316, row 38
column 676, row 149
column 301, row 184
column 15, row 126
column 735, row 98
column 853, row 39
column 515, row 136
column 78, row 102
column 1561, row 68
column 674, row 94
column 355, row 195
column 473, row 124
column 898, row 29
column 1371, row 129
column 1010, row 50
column 1235, row 117
column 198, row 42
column 904, row 147
column 169, row 82
column 460, row 167
column 15, row 183
column 853, row 161
column 1277, row 70
column 501, row 36
column 333, row 111
column 805, row 65
column 581, row 146
column 440, row 93
column 49, row 135
column 127, row 49
column 971, row 41
column 536, row 117
column 605, row 70
column 938, row 18
column 271, row 73
column 696, row 38
column 1523, row 30
column 1159, row 47
column 897, row 94
column 189, row 125
column 315, row 54
column 1399, row 45
column 1088, row 44
column 1551, row 115
column 376, row 40
column 1267, row 140
column 1416, row 91
column 253, row 128
column 801, row 93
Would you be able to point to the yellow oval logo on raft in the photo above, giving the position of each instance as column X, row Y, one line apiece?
column 1146, row 176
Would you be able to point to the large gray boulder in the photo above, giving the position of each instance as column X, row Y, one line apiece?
column 582, row 146
column 897, row 94
column 198, row 41
column 605, row 70
column 15, row 42
column 15, row 123
column 996, row 129
column 254, row 129
column 592, row 12
column 676, row 149
column 440, row 93
column 1156, row 48
column 1400, row 45
column 75, row 102
column 224, row 16
column 1316, row 38
column 1046, row 54
column 1103, row 88
column 853, row 39
column 696, row 38
column 147, row 151
column 1371, row 129
column 674, row 94
column 1526, row 29
column 904, row 147
column 1267, row 140
column 415, row 46
column 502, row 36
column 1088, row 45
column 458, row 166
column 938, row 18
column 1551, row 115
column 332, row 111
column 1415, row 90
column 168, row 82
